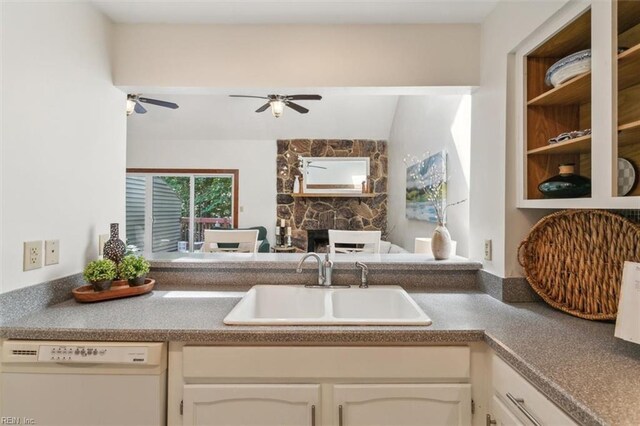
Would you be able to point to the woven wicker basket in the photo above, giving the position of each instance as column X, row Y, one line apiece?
column 573, row 259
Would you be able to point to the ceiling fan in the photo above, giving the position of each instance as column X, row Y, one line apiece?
column 278, row 102
column 133, row 104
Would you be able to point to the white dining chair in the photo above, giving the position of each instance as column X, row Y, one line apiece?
column 247, row 241
column 369, row 240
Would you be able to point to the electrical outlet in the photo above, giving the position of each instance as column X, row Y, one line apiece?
column 102, row 239
column 487, row 249
column 32, row 257
column 51, row 252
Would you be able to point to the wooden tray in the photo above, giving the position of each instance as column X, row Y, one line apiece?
column 87, row 294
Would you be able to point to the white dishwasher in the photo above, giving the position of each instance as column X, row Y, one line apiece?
column 83, row 383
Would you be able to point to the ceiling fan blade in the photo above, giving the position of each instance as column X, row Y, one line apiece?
column 304, row 97
column 139, row 108
column 159, row 103
column 247, row 96
column 299, row 108
column 264, row 107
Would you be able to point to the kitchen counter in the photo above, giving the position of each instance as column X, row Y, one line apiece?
column 578, row 364
column 229, row 271
column 289, row 261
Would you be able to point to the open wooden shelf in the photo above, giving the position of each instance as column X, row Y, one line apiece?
column 581, row 145
column 629, row 127
column 325, row 195
column 628, row 66
column 629, row 133
column 573, row 92
column 551, row 111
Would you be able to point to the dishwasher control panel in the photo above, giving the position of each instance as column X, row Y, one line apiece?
column 14, row 353
column 93, row 354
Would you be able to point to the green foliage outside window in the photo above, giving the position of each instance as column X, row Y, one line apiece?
column 212, row 195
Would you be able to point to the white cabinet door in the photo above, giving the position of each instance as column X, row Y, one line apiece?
column 502, row 415
column 250, row 405
column 402, row 405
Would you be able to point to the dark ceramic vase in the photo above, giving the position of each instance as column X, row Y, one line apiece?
column 566, row 185
column 114, row 248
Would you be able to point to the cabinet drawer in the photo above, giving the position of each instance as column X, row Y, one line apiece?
column 507, row 381
column 450, row 363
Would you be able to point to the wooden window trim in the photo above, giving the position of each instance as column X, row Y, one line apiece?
column 234, row 172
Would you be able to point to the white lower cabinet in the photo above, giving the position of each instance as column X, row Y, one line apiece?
column 250, row 405
column 320, row 386
column 519, row 398
column 402, row 405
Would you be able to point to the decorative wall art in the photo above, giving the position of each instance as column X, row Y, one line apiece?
column 426, row 185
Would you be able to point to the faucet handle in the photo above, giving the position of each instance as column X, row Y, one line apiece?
column 363, row 274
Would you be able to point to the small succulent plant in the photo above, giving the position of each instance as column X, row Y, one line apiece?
column 100, row 270
column 132, row 267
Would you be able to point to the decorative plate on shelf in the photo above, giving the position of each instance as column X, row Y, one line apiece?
column 626, row 176
column 568, row 67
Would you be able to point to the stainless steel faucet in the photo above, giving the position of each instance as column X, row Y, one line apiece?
column 325, row 269
column 364, row 272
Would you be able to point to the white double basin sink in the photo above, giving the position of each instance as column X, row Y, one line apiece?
column 297, row 305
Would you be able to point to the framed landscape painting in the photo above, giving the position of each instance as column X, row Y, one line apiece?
column 425, row 173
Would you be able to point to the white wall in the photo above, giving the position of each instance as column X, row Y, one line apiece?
column 63, row 136
column 492, row 211
column 179, row 56
column 430, row 124
column 255, row 159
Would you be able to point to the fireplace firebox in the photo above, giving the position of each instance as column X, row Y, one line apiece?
column 317, row 240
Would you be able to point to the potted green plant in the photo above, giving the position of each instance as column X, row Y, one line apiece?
column 133, row 269
column 101, row 273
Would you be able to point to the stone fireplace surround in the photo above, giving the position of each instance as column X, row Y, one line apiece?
column 309, row 214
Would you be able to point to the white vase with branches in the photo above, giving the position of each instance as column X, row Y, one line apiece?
column 433, row 184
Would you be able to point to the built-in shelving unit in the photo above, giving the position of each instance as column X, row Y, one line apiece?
column 605, row 99
column 629, row 86
column 551, row 111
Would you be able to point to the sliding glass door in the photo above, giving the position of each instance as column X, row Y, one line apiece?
column 169, row 212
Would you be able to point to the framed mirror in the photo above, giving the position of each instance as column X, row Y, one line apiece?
column 334, row 174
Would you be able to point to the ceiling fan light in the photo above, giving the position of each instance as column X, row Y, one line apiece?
column 277, row 108
column 130, row 106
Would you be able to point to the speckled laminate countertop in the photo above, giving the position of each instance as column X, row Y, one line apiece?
column 289, row 261
column 578, row 364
